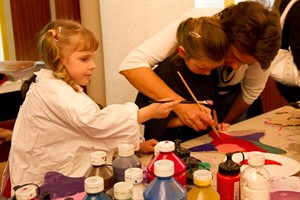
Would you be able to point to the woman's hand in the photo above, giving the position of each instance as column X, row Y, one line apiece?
column 5, row 135
column 192, row 116
column 148, row 146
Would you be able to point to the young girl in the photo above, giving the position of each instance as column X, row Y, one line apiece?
column 58, row 125
column 202, row 47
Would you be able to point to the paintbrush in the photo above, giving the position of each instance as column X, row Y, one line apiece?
column 195, row 99
column 203, row 102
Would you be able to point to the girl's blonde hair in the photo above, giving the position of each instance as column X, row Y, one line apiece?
column 58, row 40
column 203, row 38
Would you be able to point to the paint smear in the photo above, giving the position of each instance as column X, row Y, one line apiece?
column 229, row 148
column 267, row 162
column 245, row 143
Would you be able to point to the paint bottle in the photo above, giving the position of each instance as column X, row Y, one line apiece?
column 166, row 151
column 135, row 176
column 179, row 150
column 255, row 178
column 46, row 195
column 190, row 162
column 125, row 159
column 193, row 164
column 164, row 186
column 202, row 189
column 99, row 168
column 27, row 192
column 123, row 191
column 94, row 186
column 228, row 178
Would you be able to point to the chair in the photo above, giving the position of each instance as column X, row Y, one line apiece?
column 4, row 149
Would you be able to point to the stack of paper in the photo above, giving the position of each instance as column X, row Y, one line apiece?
column 15, row 70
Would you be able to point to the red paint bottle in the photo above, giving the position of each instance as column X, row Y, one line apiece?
column 228, row 178
column 166, row 151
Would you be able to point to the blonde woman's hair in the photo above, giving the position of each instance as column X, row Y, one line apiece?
column 58, row 40
column 203, row 38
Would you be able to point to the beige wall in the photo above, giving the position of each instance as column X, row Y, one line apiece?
column 125, row 24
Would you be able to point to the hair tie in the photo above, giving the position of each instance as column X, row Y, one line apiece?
column 56, row 34
column 52, row 31
column 194, row 34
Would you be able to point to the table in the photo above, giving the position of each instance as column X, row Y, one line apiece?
column 284, row 137
column 17, row 66
column 11, row 86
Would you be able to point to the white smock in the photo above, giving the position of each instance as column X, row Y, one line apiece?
column 163, row 44
column 57, row 129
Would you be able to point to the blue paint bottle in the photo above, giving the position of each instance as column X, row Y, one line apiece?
column 164, row 186
column 94, row 186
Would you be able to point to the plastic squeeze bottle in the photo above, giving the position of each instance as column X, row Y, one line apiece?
column 255, row 178
column 93, row 186
column 228, row 178
column 135, row 176
column 125, row 159
column 164, row 186
column 123, row 190
column 99, row 168
column 202, row 189
column 166, row 151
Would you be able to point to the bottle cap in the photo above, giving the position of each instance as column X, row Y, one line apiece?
column 202, row 177
column 93, row 184
column 123, row 190
column 229, row 167
column 256, row 158
column 125, row 149
column 98, row 158
column 156, row 150
column 166, row 146
column 26, row 192
column 164, row 168
column 134, row 175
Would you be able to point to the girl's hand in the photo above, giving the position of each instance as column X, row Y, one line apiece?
column 162, row 110
column 156, row 110
column 223, row 126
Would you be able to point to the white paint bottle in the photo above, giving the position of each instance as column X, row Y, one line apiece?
column 255, row 178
